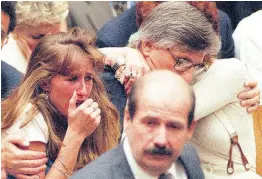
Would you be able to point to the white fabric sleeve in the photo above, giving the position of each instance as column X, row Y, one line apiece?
column 249, row 50
column 36, row 130
column 220, row 86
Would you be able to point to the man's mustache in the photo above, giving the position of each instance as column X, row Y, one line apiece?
column 159, row 151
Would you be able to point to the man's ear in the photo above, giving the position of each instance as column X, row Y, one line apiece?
column 191, row 129
column 146, row 48
column 127, row 118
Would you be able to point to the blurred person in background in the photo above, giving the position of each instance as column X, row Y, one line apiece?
column 34, row 20
column 10, row 77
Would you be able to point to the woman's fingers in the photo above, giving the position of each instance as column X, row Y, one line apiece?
column 72, row 103
column 28, row 163
column 96, row 113
column 26, row 171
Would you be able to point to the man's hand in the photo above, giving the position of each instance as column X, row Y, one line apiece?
column 23, row 164
column 250, row 98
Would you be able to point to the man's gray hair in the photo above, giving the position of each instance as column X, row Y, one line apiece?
column 177, row 23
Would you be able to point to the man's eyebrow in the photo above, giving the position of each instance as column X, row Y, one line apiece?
column 176, row 123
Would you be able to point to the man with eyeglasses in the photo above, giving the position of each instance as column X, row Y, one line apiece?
column 178, row 37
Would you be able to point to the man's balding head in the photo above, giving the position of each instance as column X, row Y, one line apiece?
column 162, row 86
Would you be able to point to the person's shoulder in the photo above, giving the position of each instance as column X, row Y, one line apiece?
column 249, row 26
column 126, row 17
column 190, row 152
column 10, row 79
column 190, row 159
column 116, row 32
column 100, row 168
column 223, row 17
column 230, row 65
column 8, row 69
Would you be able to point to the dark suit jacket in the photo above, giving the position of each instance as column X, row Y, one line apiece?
column 237, row 10
column 116, row 32
column 113, row 165
column 10, row 79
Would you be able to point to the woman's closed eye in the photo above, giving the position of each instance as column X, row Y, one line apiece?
column 88, row 78
column 73, row 78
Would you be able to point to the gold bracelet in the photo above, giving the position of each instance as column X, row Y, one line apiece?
column 61, row 171
column 62, row 162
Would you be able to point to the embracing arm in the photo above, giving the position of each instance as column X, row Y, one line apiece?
column 250, row 98
column 19, row 162
column 219, row 87
column 132, row 58
column 248, row 50
column 134, row 63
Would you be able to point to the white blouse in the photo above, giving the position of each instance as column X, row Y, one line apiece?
column 35, row 130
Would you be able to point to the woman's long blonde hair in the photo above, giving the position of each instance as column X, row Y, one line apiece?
column 54, row 55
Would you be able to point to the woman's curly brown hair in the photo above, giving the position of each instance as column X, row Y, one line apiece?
column 143, row 8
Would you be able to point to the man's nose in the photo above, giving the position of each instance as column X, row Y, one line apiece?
column 161, row 137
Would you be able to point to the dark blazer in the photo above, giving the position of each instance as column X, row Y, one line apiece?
column 237, row 10
column 113, row 165
column 117, row 31
column 10, row 79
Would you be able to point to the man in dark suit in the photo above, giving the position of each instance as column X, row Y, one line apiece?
column 158, row 124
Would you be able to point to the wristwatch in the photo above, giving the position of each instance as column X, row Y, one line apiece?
column 120, row 62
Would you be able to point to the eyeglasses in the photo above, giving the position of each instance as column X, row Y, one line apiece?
column 184, row 64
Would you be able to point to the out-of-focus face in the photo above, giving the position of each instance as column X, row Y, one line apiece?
column 32, row 35
column 158, row 132
column 61, row 88
column 5, row 21
column 159, row 58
